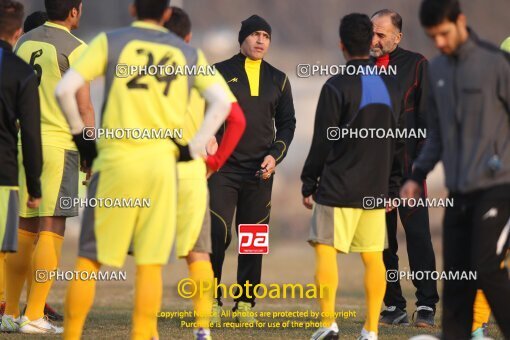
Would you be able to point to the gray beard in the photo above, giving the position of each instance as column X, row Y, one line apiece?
column 373, row 54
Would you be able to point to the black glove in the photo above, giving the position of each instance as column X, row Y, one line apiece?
column 184, row 153
column 87, row 149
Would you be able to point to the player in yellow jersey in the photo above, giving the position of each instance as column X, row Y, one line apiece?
column 193, row 219
column 137, row 168
column 50, row 49
column 32, row 21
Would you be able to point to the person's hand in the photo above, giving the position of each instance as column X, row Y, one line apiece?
column 88, row 174
column 308, row 202
column 269, row 164
column 87, row 170
column 212, row 147
column 84, row 168
column 389, row 207
column 410, row 189
column 33, row 203
column 210, row 172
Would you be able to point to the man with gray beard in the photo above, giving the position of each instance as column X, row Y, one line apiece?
column 412, row 77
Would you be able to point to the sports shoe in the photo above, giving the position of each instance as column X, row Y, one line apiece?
column 9, row 324
column 326, row 333
column 202, row 334
column 52, row 314
column 480, row 332
column 216, row 313
column 39, row 326
column 393, row 315
column 366, row 335
column 244, row 314
column 424, row 317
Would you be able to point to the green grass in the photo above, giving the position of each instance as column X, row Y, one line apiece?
column 112, row 322
column 110, row 317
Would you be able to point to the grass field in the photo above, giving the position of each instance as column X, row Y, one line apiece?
column 288, row 262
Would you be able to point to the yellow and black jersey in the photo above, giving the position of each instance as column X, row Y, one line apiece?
column 51, row 50
column 135, row 98
column 265, row 95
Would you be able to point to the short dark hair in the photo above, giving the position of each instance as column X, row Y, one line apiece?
column 11, row 17
column 151, row 9
column 179, row 22
column 35, row 20
column 396, row 19
column 356, row 33
column 434, row 12
column 59, row 9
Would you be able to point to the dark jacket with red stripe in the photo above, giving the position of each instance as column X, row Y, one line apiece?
column 412, row 77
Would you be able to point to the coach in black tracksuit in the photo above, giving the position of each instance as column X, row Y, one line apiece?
column 244, row 183
column 412, row 77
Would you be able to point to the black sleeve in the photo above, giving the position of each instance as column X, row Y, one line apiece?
column 398, row 156
column 421, row 100
column 432, row 150
column 285, row 122
column 504, row 83
column 328, row 115
column 29, row 116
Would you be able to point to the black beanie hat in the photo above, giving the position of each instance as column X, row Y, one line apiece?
column 253, row 24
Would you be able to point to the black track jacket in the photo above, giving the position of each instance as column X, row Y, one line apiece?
column 341, row 173
column 269, row 107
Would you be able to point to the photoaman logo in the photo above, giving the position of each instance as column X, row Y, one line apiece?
column 253, row 238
